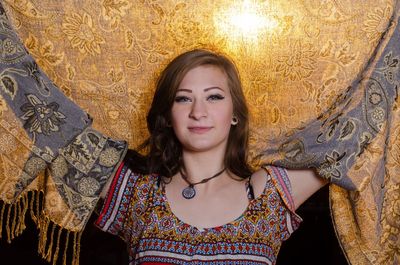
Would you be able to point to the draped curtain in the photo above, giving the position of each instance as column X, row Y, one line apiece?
column 106, row 55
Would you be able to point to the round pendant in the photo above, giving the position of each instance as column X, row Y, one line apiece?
column 189, row 192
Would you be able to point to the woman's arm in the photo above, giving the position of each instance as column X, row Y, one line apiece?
column 304, row 182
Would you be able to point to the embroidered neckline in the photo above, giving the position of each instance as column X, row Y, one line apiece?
column 165, row 203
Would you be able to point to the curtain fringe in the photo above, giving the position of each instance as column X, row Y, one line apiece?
column 12, row 218
column 52, row 237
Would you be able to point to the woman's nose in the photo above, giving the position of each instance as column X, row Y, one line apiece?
column 198, row 111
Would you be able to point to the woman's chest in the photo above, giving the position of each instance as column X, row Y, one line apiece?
column 246, row 240
column 260, row 223
column 252, row 238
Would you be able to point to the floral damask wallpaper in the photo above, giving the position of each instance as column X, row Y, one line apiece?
column 106, row 55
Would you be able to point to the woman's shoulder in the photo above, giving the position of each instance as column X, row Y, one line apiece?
column 259, row 181
column 137, row 177
column 279, row 179
column 128, row 181
column 260, row 177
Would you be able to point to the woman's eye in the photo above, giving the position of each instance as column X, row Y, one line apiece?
column 182, row 99
column 215, row 97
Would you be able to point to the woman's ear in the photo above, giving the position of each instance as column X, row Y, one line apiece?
column 234, row 121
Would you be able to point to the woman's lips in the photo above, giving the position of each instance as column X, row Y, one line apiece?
column 199, row 130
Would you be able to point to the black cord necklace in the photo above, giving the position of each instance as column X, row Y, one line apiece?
column 189, row 192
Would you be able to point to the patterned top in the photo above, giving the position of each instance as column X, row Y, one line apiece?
column 137, row 210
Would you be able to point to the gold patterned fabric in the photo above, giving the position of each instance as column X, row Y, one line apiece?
column 105, row 56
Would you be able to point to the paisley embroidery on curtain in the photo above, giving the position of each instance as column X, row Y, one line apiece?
column 315, row 59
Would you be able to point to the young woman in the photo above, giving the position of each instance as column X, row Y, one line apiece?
column 193, row 199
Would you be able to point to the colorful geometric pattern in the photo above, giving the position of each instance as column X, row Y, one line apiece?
column 137, row 210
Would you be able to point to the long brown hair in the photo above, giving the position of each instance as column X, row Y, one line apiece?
column 165, row 150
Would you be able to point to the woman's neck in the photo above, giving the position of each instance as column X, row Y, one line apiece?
column 201, row 165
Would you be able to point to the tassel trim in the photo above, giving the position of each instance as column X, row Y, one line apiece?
column 12, row 218
column 53, row 239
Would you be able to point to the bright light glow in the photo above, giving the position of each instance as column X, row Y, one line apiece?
column 248, row 21
column 245, row 20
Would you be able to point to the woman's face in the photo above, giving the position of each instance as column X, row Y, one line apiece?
column 202, row 111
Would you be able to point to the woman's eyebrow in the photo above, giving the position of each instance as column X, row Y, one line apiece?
column 213, row 87
column 184, row 90
column 205, row 89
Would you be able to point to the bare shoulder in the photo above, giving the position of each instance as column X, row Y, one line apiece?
column 303, row 182
column 259, row 181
